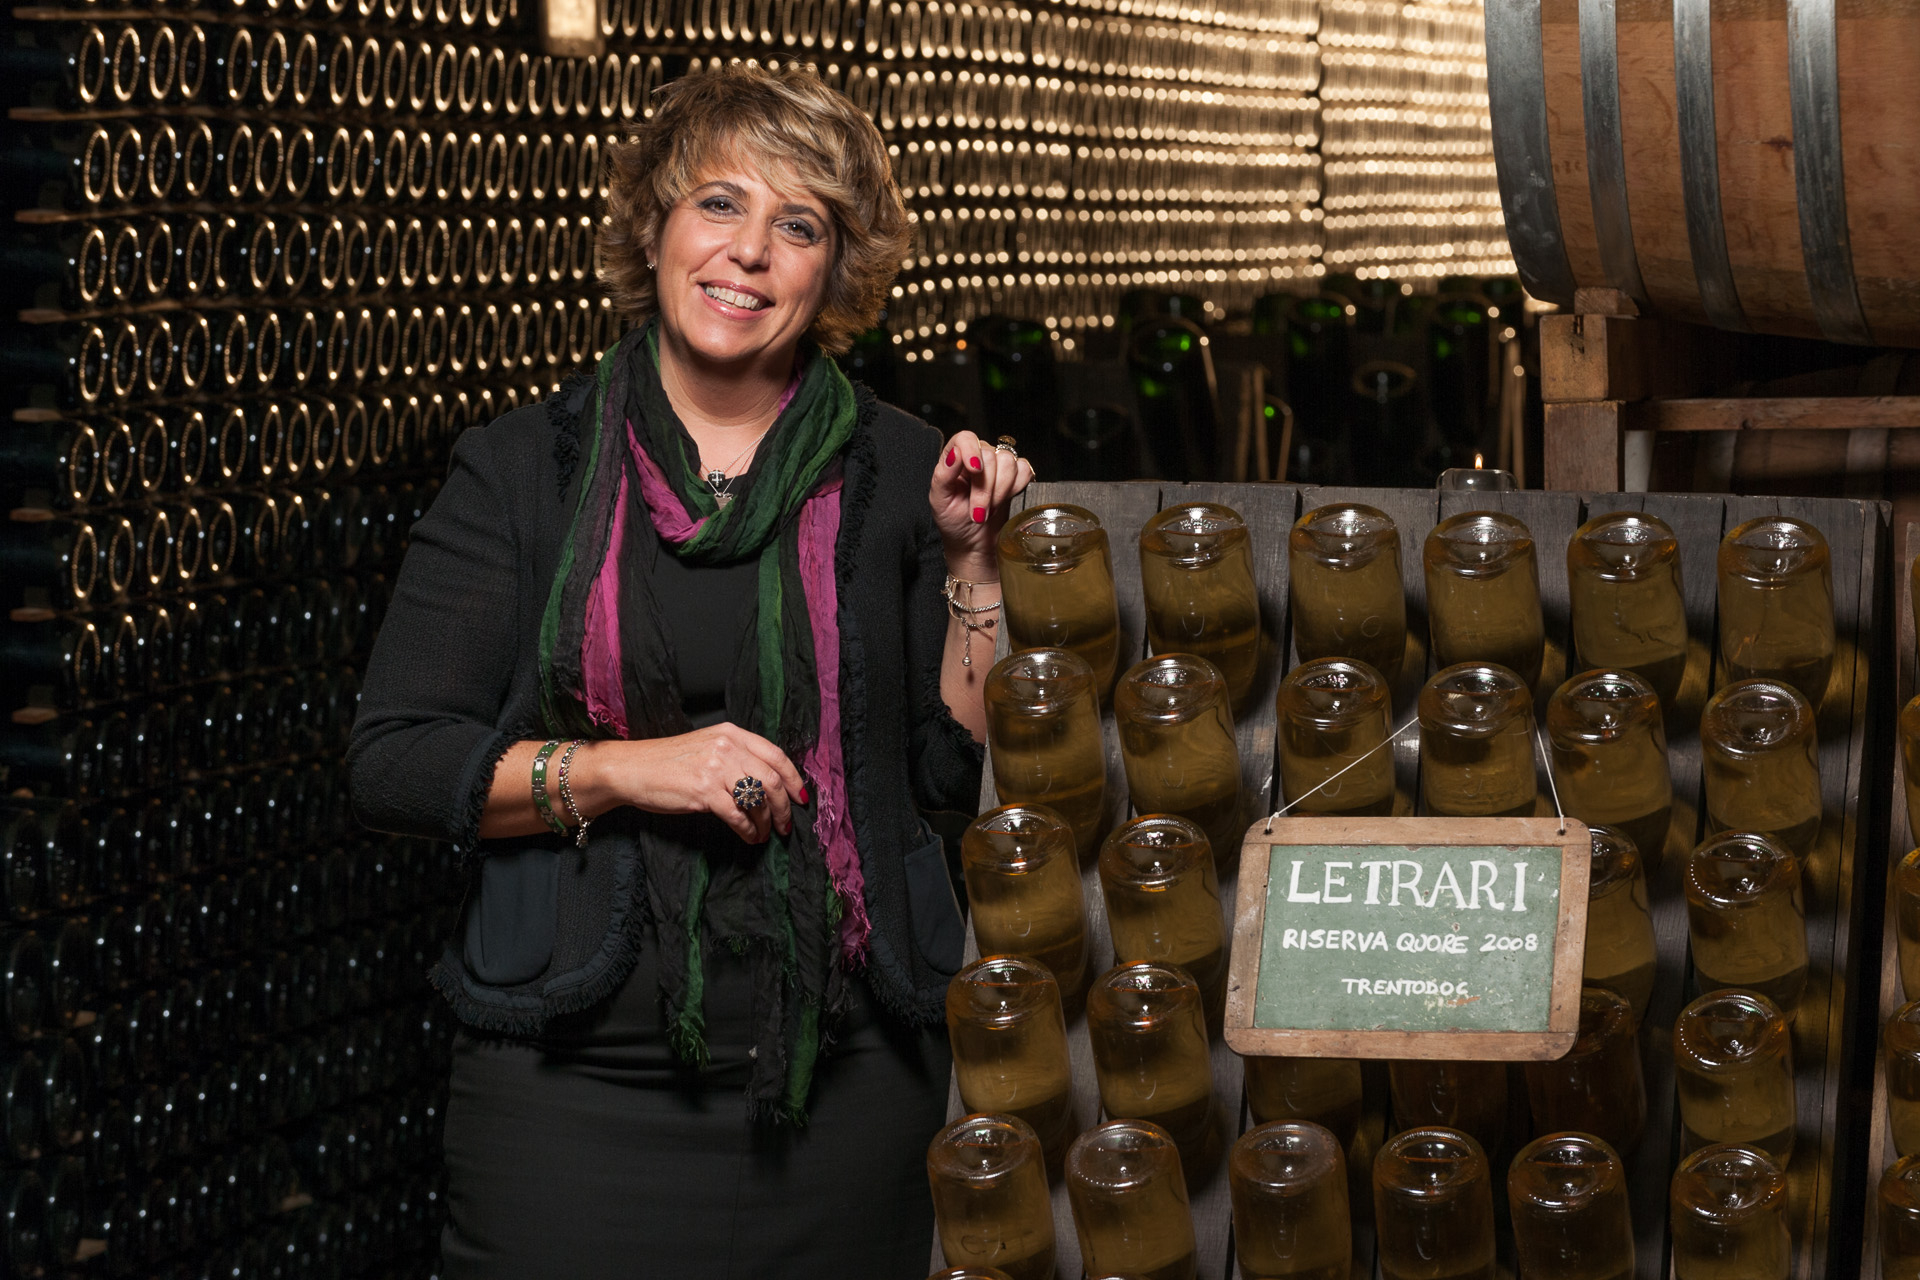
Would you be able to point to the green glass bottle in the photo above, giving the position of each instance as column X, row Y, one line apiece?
column 1018, row 385
column 1175, row 392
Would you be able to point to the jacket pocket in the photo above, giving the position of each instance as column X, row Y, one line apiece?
column 938, row 929
column 511, row 918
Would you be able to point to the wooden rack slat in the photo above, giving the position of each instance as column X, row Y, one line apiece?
column 1898, row 840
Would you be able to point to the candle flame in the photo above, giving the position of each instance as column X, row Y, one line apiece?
column 1479, row 461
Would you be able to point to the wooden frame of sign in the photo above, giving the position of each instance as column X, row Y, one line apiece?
column 1522, row 1026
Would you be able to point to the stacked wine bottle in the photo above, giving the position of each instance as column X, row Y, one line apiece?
column 1548, row 1142
column 264, row 266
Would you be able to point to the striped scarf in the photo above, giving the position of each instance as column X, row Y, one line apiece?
column 794, row 907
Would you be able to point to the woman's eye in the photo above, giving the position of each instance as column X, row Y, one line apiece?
column 717, row 204
column 803, row 231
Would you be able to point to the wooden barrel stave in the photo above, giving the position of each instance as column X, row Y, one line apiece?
column 1878, row 59
column 1881, row 48
column 1652, row 146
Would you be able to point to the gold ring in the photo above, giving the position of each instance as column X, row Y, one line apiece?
column 1005, row 444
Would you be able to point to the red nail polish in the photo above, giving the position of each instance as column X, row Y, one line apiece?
column 950, row 455
column 805, row 796
column 974, row 463
column 979, row 515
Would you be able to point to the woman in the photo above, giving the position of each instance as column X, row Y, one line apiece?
column 669, row 661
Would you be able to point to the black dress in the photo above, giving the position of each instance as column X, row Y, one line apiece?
column 597, row 1153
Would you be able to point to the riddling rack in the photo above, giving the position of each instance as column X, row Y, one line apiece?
column 1899, row 839
column 1822, row 1177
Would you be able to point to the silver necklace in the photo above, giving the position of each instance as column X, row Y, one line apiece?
column 720, row 483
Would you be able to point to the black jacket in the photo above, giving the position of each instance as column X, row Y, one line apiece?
column 452, row 683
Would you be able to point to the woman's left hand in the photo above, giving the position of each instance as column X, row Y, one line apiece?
column 973, row 485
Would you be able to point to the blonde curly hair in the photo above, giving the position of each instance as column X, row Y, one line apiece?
column 784, row 119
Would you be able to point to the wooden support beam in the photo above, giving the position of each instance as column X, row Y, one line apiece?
column 1611, row 357
column 1584, row 445
column 1604, row 302
column 1792, row 413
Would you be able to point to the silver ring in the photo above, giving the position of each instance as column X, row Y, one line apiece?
column 748, row 794
column 1005, row 444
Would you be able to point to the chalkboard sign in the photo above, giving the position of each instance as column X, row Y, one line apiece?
column 1409, row 938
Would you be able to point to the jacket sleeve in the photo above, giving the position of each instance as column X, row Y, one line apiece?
column 946, row 759
column 428, row 736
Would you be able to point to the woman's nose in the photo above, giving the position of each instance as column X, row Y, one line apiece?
column 750, row 245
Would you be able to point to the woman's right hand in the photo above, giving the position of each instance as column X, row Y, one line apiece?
column 694, row 773
column 688, row 773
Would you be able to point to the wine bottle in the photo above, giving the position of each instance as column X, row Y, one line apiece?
column 23, row 1115
column 49, row 465
column 116, row 960
column 51, row 563
column 22, row 893
column 1318, row 333
column 62, row 1093
column 23, row 998
column 67, row 66
column 71, row 982
column 119, row 1224
column 76, row 165
column 45, row 841
column 1018, row 382
column 150, row 451
column 146, row 1032
column 23, row 1213
column 104, row 846
column 152, row 552
column 106, row 1044
column 106, row 1146
column 1621, row 567
column 1173, row 383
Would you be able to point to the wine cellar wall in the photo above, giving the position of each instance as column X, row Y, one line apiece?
column 265, row 260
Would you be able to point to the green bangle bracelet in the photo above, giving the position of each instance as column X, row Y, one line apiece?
column 540, row 800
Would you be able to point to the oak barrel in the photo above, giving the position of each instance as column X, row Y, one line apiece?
column 1751, row 164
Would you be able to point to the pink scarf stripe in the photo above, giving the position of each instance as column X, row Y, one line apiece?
column 670, row 517
column 823, row 762
column 605, row 692
column 603, row 688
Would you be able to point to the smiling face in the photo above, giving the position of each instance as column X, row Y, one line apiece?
column 742, row 267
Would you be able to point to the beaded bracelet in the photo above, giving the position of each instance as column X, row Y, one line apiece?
column 540, row 800
column 566, row 795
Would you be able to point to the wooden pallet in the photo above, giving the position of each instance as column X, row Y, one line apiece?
column 1898, row 840
column 1856, row 534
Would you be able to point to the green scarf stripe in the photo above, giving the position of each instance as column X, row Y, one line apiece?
column 780, row 885
column 806, row 1048
column 806, row 1053
column 687, row 1035
column 789, row 472
column 692, row 479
